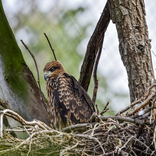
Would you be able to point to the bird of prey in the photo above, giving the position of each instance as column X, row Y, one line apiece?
column 67, row 100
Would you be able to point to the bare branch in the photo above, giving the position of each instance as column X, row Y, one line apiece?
column 50, row 46
column 145, row 111
column 78, row 127
column 105, row 109
column 124, row 146
column 38, row 81
column 92, row 48
column 95, row 71
column 128, row 107
column 126, row 119
column 35, row 63
column 143, row 104
column 106, row 105
column 18, row 118
column 4, row 104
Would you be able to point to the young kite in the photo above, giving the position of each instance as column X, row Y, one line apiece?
column 67, row 100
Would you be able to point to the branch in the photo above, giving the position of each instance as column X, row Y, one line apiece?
column 78, row 127
column 145, row 100
column 105, row 109
column 126, row 119
column 95, row 71
column 18, row 118
column 50, row 46
column 124, row 146
column 4, row 104
column 34, row 61
column 91, row 138
column 145, row 111
column 128, row 107
column 84, row 126
column 92, row 48
column 38, row 81
column 143, row 104
column 153, row 85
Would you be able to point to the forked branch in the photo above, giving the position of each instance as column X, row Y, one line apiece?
column 93, row 47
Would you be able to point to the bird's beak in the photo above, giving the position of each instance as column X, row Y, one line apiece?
column 46, row 75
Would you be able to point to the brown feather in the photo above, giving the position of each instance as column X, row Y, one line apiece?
column 66, row 96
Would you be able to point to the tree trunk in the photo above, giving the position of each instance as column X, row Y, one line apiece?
column 134, row 44
column 17, row 84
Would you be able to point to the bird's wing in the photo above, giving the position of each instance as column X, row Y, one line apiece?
column 72, row 100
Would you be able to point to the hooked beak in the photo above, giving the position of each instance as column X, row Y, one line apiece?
column 46, row 75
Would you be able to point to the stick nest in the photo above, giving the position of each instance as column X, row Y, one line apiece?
column 125, row 134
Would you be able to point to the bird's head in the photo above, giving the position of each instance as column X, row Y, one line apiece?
column 52, row 69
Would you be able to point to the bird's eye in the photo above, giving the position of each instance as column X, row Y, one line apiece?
column 52, row 69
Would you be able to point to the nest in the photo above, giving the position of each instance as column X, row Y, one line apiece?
column 125, row 134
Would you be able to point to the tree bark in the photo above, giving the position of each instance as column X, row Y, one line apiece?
column 134, row 44
column 93, row 47
column 17, row 84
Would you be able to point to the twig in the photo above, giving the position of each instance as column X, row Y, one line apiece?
column 83, row 126
column 1, row 125
column 105, row 109
column 153, row 85
column 92, row 138
column 34, row 61
column 38, row 78
column 95, row 71
column 78, row 127
column 97, row 109
column 143, row 104
column 29, row 146
column 26, row 130
column 133, row 153
column 92, row 133
column 149, row 90
column 4, row 104
column 18, row 130
column 18, row 118
column 145, row 111
column 154, row 136
column 50, row 46
column 142, row 143
column 129, row 140
column 63, row 152
column 106, row 105
column 128, row 107
column 138, row 101
column 126, row 119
